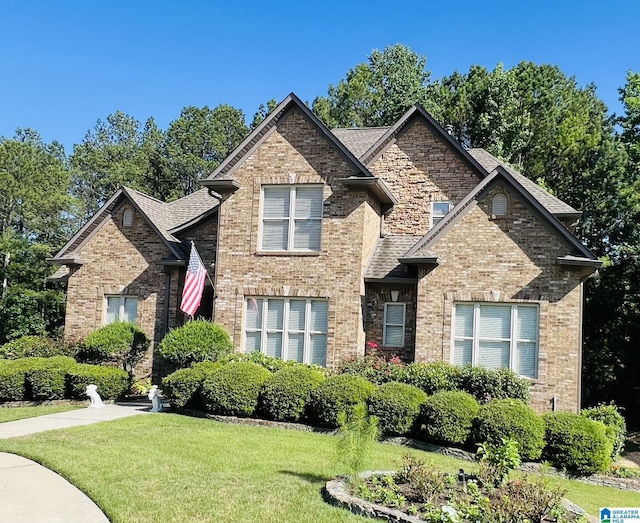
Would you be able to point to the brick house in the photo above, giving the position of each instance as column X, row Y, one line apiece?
column 319, row 241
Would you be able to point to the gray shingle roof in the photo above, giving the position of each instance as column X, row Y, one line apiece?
column 359, row 140
column 384, row 261
column 551, row 203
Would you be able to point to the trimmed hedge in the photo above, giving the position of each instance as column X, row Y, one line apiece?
column 118, row 343
column 112, row 383
column 12, row 381
column 47, row 378
column 510, row 418
column 195, row 341
column 576, row 443
column 336, row 394
column 34, row 346
column 488, row 384
column 286, row 393
column 182, row 387
column 234, row 388
column 432, row 377
column 448, row 417
column 615, row 423
column 397, row 406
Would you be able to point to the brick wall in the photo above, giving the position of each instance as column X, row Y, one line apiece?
column 420, row 168
column 296, row 153
column 510, row 259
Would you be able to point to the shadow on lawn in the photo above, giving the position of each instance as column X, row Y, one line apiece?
column 309, row 478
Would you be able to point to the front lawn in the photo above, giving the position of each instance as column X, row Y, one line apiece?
column 16, row 413
column 172, row 468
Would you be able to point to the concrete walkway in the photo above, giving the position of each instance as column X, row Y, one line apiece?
column 31, row 493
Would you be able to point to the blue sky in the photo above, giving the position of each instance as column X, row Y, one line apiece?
column 66, row 63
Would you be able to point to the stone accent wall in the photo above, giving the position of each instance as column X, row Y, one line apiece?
column 511, row 259
column 377, row 295
column 420, row 168
column 119, row 260
column 296, row 153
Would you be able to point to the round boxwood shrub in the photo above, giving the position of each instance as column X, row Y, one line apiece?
column 432, row 377
column 336, row 394
column 112, row 383
column 489, row 384
column 510, row 418
column 286, row 393
column 234, row 388
column 119, row 343
column 182, row 386
column 448, row 417
column 196, row 341
column 615, row 423
column 40, row 346
column 397, row 406
column 576, row 443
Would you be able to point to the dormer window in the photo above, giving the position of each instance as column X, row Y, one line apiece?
column 127, row 218
column 499, row 205
column 438, row 211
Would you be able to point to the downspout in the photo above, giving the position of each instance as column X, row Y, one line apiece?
column 216, row 256
column 580, row 347
column 167, row 297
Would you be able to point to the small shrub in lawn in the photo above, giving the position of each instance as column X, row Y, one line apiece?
column 234, row 388
column 615, row 423
column 448, row 417
column 195, row 341
column 397, row 406
column 432, row 377
column 182, row 386
column 374, row 368
column 510, row 418
column 576, row 443
column 37, row 346
column 358, row 432
column 336, row 394
column 119, row 343
column 112, row 383
column 286, row 393
column 489, row 384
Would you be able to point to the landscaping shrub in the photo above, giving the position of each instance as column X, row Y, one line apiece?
column 112, row 383
column 510, row 418
column 268, row 362
column 47, row 378
column 12, row 381
column 118, row 343
column 336, row 394
column 432, row 377
column 374, row 368
column 40, row 346
column 397, row 406
column 182, row 386
column 488, row 384
column 286, row 393
column 576, row 443
column 195, row 341
column 234, row 388
column 615, row 423
column 448, row 417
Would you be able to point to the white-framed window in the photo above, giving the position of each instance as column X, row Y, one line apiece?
column 287, row 328
column 496, row 335
column 291, row 218
column 499, row 205
column 127, row 218
column 394, row 324
column 120, row 308
column 438, row 211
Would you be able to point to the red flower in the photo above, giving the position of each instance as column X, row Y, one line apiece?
column 372, row 345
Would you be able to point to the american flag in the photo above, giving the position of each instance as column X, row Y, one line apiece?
column 193, row 283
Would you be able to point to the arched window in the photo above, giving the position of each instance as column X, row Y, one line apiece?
column 127, row 218
column 499, row 205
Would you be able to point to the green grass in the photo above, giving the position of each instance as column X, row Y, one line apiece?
column 16, row 413
column 172, row 468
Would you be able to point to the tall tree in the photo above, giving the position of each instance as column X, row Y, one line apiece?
column 199, row 140
column 378, row 92
column 116, row 152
